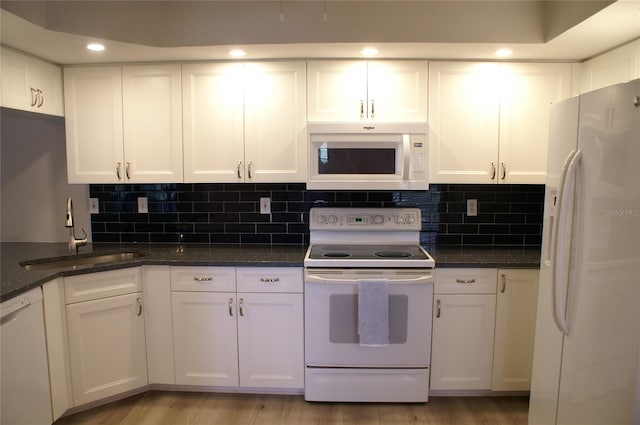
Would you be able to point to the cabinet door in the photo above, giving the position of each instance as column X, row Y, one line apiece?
column 517, row 302
column 337, row 90
column 464, row 122
column 205, row 338
column 156, row 283
column 270, row 340
column 527, row 92
column 93, row 123
column 106, row 347
column 462, row 342
column 152, row 110
column 30, row 84
column 616, row 66
column 275, row 122
column 397, row 91
column 213, row 122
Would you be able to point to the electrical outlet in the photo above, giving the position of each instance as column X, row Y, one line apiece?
column 143, row 206
column 94, row 206
column 472, row 207
column 265, row 205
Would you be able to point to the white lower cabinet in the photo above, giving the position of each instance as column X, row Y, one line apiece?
column 483, row 329
column 205, row 338
column 463, row 326
column 252, row 337
column 270, row 327
column 517, row 301
column 106, row 334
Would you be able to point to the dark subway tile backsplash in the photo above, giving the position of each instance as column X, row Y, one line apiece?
column 508, row 215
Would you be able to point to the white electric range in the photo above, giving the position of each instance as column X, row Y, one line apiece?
column 354, row 253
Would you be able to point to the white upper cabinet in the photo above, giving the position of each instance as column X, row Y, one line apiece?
column 244, row 122
column 489, row 122
column 354, row 91
column 30, row 84
column 617, row 66
column 152, row 118
column 93, row 124
column 123, row 124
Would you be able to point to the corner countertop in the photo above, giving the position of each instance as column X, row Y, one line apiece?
column 16, row 280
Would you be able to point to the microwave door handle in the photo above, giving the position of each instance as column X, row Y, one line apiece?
column 406, row 151
column 418, row 280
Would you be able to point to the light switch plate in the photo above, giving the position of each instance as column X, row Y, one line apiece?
column 143, row 206
column 472, row 207
column 265, row 205
column 94, row 206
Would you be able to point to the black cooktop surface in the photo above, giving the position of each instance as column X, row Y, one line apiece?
column 367, row 252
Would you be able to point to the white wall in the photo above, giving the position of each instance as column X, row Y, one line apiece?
column 33, row 184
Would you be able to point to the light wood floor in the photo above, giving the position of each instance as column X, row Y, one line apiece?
column 183, row 408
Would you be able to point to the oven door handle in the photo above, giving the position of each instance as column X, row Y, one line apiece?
column 418, row 280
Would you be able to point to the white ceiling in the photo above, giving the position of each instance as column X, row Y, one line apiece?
column 145, row 31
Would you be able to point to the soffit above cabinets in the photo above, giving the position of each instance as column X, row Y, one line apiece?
column 139, row 31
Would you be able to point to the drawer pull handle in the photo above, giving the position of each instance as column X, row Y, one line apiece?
column 203, row 279
column 437, row 308
column 466, row 281
column 504, row 283
column 269, row 279
column 241, row 304
column 139, row 301
column 231, row 307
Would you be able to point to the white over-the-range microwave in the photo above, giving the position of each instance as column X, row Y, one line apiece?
column 368, row 156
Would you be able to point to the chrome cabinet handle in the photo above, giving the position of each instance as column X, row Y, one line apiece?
column 241, row 305
column 126, row 170
column 466, row 281
column 438, row 309
column 139, row 301
column 373, row 109
column 636, row 101
column 238, row 169
column 40, row 98
column 503, row 167
column 118, row 165
column 362, row 109
column 249, row 166
column 203, row 278
column 493, row 171
column 231, row 307
column 503, row 277
column 269, row 279
column 34, row 96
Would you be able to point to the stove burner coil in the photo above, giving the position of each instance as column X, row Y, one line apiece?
column 336, row 255
column 392, row 254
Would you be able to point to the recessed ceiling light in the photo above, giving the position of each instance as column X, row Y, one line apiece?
column 369, row 51
column 96, row 47
column 237, row 53
column 503, row 52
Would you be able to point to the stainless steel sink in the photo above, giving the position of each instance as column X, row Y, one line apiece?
column 82, row 260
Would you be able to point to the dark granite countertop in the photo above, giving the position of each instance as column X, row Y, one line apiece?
column 485, row 257
column 15, row 279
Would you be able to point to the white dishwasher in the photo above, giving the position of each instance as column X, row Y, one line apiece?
column 24, row 372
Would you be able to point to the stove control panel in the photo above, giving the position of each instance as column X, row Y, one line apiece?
column 369, row 219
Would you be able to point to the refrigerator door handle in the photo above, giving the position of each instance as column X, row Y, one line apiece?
column 569, row 171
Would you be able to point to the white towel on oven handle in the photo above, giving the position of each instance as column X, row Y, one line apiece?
column 373, row 312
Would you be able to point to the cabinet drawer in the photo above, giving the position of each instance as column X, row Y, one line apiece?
column 465, row 281
column 93, row 286
column 270, row 279
column 203, row 279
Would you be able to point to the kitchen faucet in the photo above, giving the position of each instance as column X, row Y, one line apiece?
column 73, row 242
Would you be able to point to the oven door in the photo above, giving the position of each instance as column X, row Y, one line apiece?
column 331, row 318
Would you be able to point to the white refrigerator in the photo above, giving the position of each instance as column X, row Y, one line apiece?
column 586, row 365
